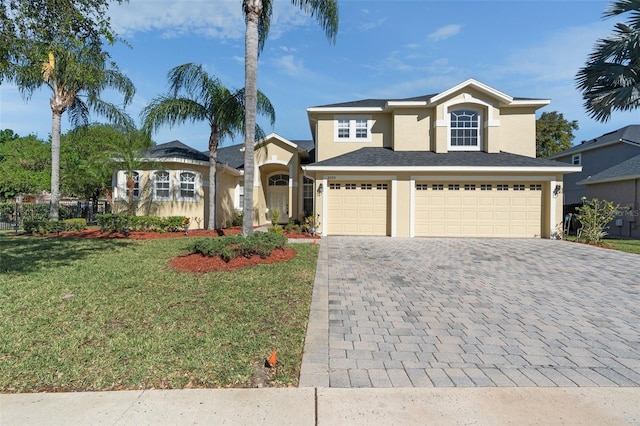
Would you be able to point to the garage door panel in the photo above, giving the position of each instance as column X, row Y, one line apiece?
column 361, row 209
column 478, row 210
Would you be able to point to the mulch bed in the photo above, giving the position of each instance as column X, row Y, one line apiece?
column 200, row 263
column 195, row 263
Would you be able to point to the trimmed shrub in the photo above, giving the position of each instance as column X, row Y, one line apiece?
column 43, row 227
column 232, row 246
column 118, row 222
column 237, row 221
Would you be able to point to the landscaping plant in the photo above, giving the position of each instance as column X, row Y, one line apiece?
column 594, row 216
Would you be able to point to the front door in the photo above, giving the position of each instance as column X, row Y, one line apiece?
column 278, row 196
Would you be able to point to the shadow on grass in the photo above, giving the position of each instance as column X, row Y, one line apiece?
column 31, row 254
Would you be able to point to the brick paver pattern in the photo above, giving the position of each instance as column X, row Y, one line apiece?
column 481, row 312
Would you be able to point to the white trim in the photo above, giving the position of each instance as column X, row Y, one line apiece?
column 358, row 177
column 280, row 138
column 552, row 209
column 480, row 139
column 412, row 208
column 174, row 160
column 394, row 207
column 154, row 196
column 426, row 169
column 407, row 104
column 345, row 109
column 503, row 97
column 352, row 119
column 197, row 185
column 325, row 207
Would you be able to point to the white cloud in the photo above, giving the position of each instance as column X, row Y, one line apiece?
column 293, row 67
column 445, row 32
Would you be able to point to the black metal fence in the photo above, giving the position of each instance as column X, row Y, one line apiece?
column 13, row 215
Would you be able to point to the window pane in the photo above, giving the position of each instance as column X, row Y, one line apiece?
column 361, row 128
column 465, row 128
column 187, row 185
column 343, row 128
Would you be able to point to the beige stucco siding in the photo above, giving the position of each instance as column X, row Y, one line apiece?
column 518, row 131
column 328, row 147
column 412, row 129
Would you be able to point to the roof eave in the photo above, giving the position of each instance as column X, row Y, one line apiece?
column 607, row 180
column 412, row 169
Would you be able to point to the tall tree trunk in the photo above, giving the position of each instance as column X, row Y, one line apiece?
column 55, row 166
column 213, row 161
column 253, row 10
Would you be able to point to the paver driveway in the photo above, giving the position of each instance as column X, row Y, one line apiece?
column 474, row 312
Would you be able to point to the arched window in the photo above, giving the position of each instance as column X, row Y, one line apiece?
column 465, row 130
column 279, row 180
column 187, row 185
column 161, row 186
column 133, row 185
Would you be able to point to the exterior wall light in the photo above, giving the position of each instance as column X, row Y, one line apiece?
column 320, row 189
column 557, row 190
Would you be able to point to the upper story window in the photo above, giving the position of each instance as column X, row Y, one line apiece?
column 132, row 184
column 240, row 195
column 188, row 186
column 465, row 130
column 576, row 159
column 352, row 129
column 161, row 186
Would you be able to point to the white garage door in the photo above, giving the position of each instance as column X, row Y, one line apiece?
column 357, row 208
column 478, row 210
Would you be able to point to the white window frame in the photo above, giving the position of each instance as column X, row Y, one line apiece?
column 478, row 128
column 157, row 197
column 576, row 159
column 239, row 195
column 137, row 185
column 196, row 186
column 307, row 193
column 350, row 128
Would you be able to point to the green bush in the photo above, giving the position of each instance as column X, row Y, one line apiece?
column 232, row 246
column 44, row 227
column 118, row 222
column 594, row 216
column 292, row 227
column 276, row 229
column 237, row 221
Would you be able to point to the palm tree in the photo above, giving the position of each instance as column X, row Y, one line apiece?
column 193, row 96
column 610, row 79
column 75, row 73
column 257, row 15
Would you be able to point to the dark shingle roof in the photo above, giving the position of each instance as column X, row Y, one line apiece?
column 175, row 149
column 375, row 103
column 629, row 169
column 384, row 157
column 233, row 156
column 630, row 134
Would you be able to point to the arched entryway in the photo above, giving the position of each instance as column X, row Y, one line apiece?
column 278, row 195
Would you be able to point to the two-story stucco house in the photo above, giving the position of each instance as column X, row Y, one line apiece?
column 457, row 163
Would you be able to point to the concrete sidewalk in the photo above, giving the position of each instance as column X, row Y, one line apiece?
column 327, row 406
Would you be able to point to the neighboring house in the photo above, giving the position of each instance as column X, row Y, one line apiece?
column 457, row 163
column 610, row 171
column 595, row 156
column 620, row 184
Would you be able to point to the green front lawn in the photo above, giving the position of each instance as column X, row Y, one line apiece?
column 630, row 246
column 81, row 314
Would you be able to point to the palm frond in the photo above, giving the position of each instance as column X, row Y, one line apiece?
column 325, row 12
column 169, row 110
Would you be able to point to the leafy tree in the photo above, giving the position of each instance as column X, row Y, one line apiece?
column 610, row 79
column 86, row 160
column 554, row 133
column 59, row 45
column 196, row 96
column 257, row 15
column 594, row 216
column 24, row 166
column 7, row 135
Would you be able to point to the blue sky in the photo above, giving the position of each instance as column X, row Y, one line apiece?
column 384, row 49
